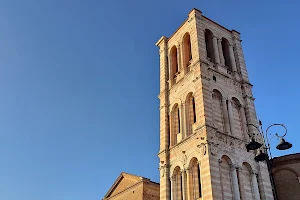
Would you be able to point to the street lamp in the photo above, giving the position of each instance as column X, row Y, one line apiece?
column 261, row 156
column 254, row 145
column 283, row 145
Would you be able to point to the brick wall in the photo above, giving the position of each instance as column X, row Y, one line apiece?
column 286, row 171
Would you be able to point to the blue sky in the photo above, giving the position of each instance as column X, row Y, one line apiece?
column 79, row 82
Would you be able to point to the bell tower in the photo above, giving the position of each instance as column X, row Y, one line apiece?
column 206, row 106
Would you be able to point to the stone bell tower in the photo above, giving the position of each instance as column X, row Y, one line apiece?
column 206, row 105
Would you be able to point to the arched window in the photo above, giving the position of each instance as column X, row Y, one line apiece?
column 195, row 180
column 191, row 113
column 226, row 53
column 174, row 62
column 246, row 173
column 177, row 184
column 217, row 109
column 237, row 118
column 175, row 124
column 178, row 120
column 187, row 51
column 168, row 69
column 226, row 180
column 194, row 110
column 287, row 183
column 209, row 45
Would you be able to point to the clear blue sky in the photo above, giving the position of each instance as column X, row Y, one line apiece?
column 79, row 82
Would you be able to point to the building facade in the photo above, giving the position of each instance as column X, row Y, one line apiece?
column 206, row 106
column 286, row 173
column 132, row 187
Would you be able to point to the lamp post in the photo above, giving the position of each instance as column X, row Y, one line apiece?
column 260, row 155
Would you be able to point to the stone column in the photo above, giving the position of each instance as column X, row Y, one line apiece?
column 172, row 187
column 200, row 181
column 225, row 113
column 232, row 59
column 230, row 113
column 188, row 189
column 244, row 122
column 179, row 187
column 255, row 186
column 235, row 184
column 179, row 57
column 188, row 122
column 183, row 185
column 222, row 61
column 171, row 143
column 241, row 183
column 183, row 120
column 169, row 67
column 216, row 51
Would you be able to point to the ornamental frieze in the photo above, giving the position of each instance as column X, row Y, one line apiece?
column 218, row 141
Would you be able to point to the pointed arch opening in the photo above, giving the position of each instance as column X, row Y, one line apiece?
column 195, row 191
column 217, row 108
column 175, row 125
column 190, row 113
column 174, row 62
column 209, row 45
column 238, row 128
column 177, row 184
column 246, row 187
column 225, row 176
column 187, row 51
column 226, row 53
column 286, row 181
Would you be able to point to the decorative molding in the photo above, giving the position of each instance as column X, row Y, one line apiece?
column 220, row 144
column 233, row 166
column 213, row 148
column 163, row 106
column 249, row 97
column 204, row 62
column 205, row 77
column 253, row 172
column 184, row 160
column 202, row 149
column 164, row 151
column 162, row 169
column 216, row 30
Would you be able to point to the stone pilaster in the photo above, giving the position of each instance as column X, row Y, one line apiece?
column 222, row 61
column 183, row 120
column 255, row 186
column 240, row 61
column 232, row 58
column 173, row 187
column 225, row 113
column 188, row 184
column 241, row 183
column 244, row 123
column 235, row 183
column 183, row 175
column 216, row 50
column 230, row 113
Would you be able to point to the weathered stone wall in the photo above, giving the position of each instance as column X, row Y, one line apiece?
column 286, row 172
